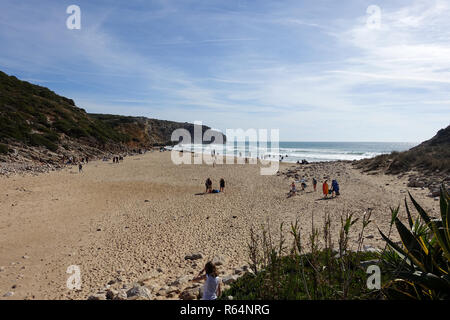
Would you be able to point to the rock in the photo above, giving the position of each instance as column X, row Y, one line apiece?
column 98, row 296
column 122, row 295
column 194, row 256
column 181, row 280
column 435, row 193
column 370, row 236
column 230, row 279
column 160, row 270
column 110, row 294
column 25, row 257
column 139, row 291
column 238, row 271
column 2, row 269
column 190, row 294
column 219, row 260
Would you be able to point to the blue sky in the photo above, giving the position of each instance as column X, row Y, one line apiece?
column 312, row 69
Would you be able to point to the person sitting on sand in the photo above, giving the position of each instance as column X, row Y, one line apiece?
column 314, row 184
column 293, row 190
column 222, row 185
column 212, row 288
column 325, row 189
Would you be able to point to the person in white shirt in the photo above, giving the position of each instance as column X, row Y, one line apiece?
column 211, row 288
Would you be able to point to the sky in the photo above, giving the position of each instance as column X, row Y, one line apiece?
column 315, row 70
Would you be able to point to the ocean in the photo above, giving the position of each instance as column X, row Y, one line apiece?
column 298, row 151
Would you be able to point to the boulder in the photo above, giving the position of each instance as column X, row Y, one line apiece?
column 139, row 291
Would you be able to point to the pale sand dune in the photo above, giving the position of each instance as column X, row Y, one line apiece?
column 52, row 219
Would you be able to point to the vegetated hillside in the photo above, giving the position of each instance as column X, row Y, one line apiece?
column 145, row 131
column 39, row 126
column 430, row 159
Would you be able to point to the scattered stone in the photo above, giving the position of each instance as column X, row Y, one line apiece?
column 2, row 269
column 190, row 294
column 110, row 294
column 25, row 257
column 122, row 295
column 194, row 256
column 161, row 270
column 139, row 291
column 238, row 271
column 98, row 296
column 181, row 280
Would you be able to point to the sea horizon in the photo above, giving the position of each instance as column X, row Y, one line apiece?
column 293, row 151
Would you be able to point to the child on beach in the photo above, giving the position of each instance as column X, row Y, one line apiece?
column 293, row 190
column 211, row 289
column 314, row 184
column 325, row 189
column 222, row 185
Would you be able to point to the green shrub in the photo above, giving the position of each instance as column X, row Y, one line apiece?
column 421, row 264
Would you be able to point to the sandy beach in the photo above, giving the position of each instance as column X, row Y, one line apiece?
column 140, row 218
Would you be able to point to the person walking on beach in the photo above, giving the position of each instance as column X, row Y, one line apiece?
column 315, row 184
column 222, row 185
column 325, row 189
column 211, row 288
column 80, row 168
column 335, row 187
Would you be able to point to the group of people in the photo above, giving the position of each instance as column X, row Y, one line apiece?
column 209, row 189
column 333, row 191
column 117, row 159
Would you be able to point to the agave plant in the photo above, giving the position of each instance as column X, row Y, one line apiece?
column 421, row 263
